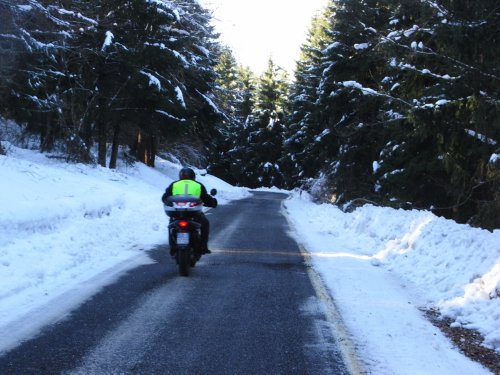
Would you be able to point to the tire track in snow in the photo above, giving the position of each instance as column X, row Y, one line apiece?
column 123, row 348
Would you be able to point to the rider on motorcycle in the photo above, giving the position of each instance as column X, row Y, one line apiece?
column 186, row 185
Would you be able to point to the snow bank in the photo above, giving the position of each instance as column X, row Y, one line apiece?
column 64, row 224
column 371, row 258
column 60, row 224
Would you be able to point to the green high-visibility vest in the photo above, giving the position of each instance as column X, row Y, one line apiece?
column 186, row 187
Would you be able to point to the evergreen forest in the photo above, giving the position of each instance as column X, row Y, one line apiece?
column 393, row 103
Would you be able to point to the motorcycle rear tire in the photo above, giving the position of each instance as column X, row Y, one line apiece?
column 184, row 262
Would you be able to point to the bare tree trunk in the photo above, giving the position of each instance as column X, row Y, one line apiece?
column 152, row 151
column 86, row 134
column 140, row 150
column 146, row 148
column 101, row 143
column 101, row 134
column 47, row 132
column 114, row 147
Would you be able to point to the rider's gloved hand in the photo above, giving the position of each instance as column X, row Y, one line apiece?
column 164, row 200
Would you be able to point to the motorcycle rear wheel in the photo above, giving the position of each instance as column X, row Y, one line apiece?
column 184, row 262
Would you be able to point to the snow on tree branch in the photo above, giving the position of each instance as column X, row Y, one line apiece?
column 166, row 114
column 368, row 91
column 76, row 15
column 481, row 137
column 153, row 81
column 210, row 102
column 107, row 40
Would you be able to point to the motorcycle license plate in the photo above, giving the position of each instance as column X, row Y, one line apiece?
column 182, row 238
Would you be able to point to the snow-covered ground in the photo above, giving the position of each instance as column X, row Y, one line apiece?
column 382, row 266
column 68, row 229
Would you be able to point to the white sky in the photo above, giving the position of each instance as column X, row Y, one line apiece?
column 258, row 29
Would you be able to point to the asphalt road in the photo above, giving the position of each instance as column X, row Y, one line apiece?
column 248, row 308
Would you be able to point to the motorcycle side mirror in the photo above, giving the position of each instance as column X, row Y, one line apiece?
column 213, row 192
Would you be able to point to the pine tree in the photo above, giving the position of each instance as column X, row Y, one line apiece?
column 44, row 35
column 240, row 134
column 444, row 71
column 227, row 81
column 262, row 136
column 247, row 91
column 350, row 112
column 11, row 44
column 173, row 78
column 113, row 71
column 229, row 99
column 299, row 162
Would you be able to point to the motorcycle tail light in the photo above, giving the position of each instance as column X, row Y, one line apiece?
column 183, row 224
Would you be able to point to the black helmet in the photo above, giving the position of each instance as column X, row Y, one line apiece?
column 186, row 174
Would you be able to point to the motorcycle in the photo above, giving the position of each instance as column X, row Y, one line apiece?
column 184, row 231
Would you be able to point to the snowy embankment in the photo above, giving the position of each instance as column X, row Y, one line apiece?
column 383, row 265
column 66, row 229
